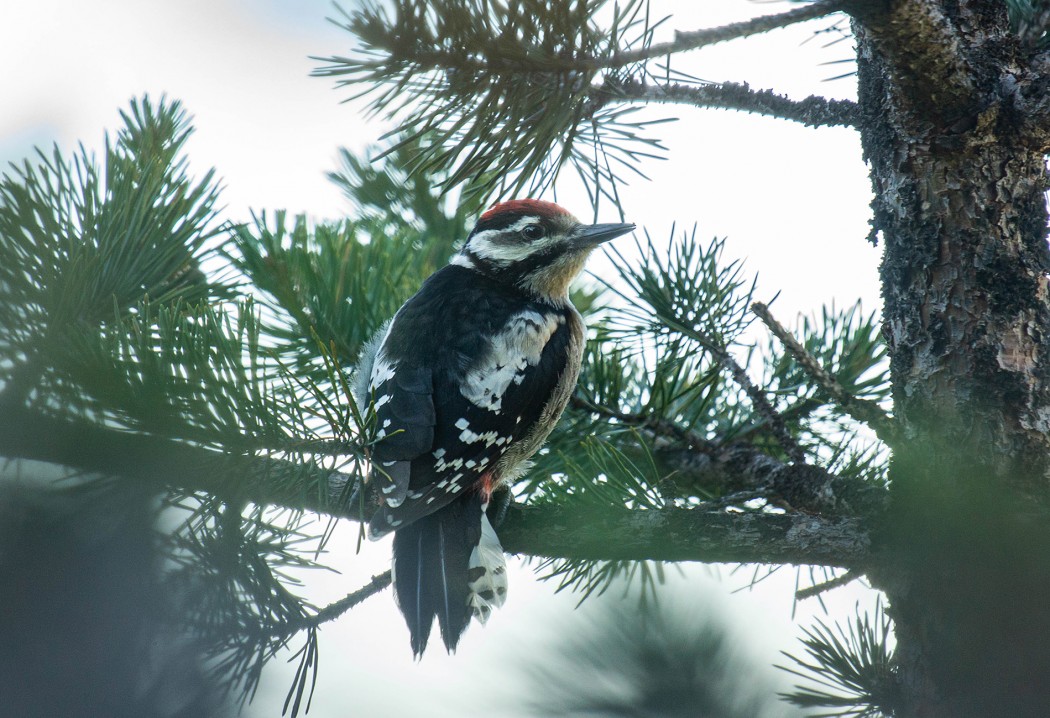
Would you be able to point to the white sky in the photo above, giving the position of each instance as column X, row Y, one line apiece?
column 792, row 201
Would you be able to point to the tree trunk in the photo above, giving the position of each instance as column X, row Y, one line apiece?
column 959, row 205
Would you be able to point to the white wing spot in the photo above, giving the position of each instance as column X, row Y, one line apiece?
column 489, row 437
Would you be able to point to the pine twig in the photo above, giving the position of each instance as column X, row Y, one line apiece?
column 813, row 111
column 336, row 609
column 863, row 410
column 761, row 404
column 661, row 427
column 684, row 41
column 820, row 588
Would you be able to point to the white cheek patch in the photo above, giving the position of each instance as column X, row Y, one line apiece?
column 514, row 349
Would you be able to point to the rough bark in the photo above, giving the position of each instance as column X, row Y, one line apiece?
column 959, row 179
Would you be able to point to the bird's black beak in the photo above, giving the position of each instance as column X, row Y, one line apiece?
column 594, row 234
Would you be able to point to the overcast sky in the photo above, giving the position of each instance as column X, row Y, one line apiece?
column 792, row 201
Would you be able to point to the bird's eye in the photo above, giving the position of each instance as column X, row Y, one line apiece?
column 534, row 232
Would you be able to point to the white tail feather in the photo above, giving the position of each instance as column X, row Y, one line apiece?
column 488, row 586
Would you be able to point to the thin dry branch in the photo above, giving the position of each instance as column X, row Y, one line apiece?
column 813, row 111
column 863, row 410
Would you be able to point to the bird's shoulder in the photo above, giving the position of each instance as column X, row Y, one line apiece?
column 460, row 315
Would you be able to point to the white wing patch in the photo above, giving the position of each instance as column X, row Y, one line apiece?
column 382, row 372
column 517, row 347
column 487, row 573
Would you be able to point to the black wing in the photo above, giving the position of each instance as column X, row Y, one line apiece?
column 447, row 408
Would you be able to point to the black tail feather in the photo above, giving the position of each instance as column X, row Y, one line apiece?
column 431, row 564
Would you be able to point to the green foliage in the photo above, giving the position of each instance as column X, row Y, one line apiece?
column 594, row 578
column 652, row 387
column 108, row 318
column 683, row 308
column 850, row 669
column 190, row 372
column 235, row 579
column 388, row 194
column 331, row 284
column 501, row 93
column 327, row 288
column 848, row 344
column 80, row 241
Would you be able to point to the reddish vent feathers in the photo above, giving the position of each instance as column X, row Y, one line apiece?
column 529, row 206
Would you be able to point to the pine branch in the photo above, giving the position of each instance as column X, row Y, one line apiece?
column 685, row 535
column 867, row 412
column 850, row 669
column 26, row 434
column 699, row 466
column 572, row 532
column 848, row 577
column 813, row 111
column 336, row 609
column 685, row 41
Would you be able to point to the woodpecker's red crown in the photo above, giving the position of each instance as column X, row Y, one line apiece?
column 536, row 207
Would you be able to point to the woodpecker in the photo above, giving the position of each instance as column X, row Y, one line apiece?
column 467, row 381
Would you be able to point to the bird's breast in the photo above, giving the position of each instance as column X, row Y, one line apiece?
column 515, row 460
